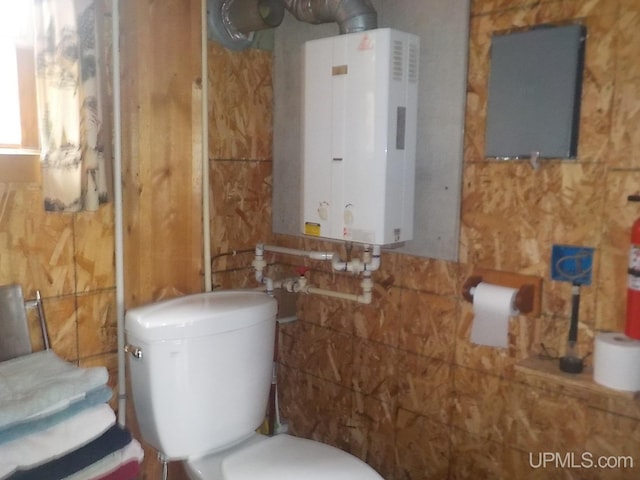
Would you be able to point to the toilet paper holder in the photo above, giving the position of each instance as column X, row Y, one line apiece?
column 527, row 299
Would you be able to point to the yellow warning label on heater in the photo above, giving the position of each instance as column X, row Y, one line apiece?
column 311, row 228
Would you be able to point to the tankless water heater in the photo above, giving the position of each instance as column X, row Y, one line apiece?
column 360, row 109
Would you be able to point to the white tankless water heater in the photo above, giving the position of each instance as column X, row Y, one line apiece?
column 360, row 109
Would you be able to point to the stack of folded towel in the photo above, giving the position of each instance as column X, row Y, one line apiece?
column 55, row 423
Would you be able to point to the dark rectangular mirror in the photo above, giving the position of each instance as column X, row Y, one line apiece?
column 534, row 92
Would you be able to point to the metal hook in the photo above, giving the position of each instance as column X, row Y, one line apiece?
column 534, row 160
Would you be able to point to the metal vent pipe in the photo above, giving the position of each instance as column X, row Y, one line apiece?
column 233, row 22
column 350, row 15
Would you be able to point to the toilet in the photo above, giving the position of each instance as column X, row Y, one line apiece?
column 201, row 368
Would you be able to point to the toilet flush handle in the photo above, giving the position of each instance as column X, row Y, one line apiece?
column 136, row 352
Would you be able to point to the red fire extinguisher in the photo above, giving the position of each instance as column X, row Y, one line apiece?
column 632, row 326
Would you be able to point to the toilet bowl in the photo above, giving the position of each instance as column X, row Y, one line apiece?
column 201, row 368
column 281, row 457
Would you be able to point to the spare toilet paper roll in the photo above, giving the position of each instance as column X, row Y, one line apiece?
column 616, row 361
column 492, row 307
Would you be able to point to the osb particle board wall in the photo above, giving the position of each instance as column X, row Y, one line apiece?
column 240, row 133
column 398, row 383
column 69, row 259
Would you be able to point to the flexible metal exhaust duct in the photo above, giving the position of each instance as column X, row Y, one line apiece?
column 350, row 15
column 233, row 22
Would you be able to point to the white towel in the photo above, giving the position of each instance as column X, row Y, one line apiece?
column 37, row 448
column 42, row 382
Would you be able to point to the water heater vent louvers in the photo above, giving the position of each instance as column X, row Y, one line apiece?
column 413, row 63
column 397, row 60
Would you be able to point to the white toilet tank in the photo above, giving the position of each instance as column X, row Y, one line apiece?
column 200, row 369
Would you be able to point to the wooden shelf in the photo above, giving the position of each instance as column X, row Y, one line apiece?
column 545, row 372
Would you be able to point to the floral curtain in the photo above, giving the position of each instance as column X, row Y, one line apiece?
column 69, row 108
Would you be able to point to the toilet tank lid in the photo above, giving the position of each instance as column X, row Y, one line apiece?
column 200, row 315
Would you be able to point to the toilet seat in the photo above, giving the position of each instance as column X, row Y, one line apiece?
column 282, row 457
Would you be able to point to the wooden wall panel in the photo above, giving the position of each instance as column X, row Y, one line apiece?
column 37, row 248
column 161, row 64
column 162, row 168
column 625, row 138
column 240, row 101
column 95, row 249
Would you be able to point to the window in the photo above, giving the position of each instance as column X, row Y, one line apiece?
column 18, row 118
column 10, row 131
column 18, row 111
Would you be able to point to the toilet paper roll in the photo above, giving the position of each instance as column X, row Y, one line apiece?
column 492, row 307
column 616, row 361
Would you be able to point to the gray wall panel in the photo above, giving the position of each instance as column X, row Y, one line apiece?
column 443, row 29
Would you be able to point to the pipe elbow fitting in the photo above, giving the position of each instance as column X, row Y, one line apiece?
column 350, row 15
column 338, row 265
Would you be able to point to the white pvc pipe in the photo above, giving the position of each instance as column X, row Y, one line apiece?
column 117, row 204
column 363, row 298
column 259, row 263
column 374, row 263
column 299, row 253
column 206, row 221
column 370, row 263
column 299, row 285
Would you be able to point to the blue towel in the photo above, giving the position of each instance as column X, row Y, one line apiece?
column 110, row 441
